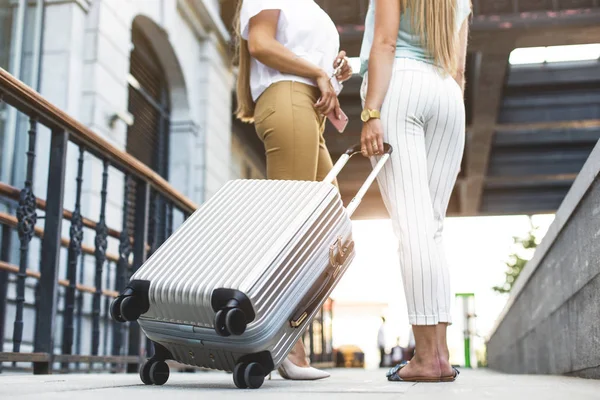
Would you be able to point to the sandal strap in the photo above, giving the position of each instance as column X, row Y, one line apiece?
column 394, row 370
column 395, row 378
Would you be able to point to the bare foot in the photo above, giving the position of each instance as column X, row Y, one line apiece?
column 426, row 368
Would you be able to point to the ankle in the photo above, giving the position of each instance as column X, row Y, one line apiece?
column 429, row 358
column 422, row 366
column 444, row 362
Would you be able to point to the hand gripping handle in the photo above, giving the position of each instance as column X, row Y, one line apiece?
column 341, row 163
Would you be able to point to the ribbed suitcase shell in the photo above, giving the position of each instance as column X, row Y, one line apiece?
column 268, row 239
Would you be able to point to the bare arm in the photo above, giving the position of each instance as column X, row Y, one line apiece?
column 264, row 47
column 383, row 51
column 381, row 62
column 463, row 37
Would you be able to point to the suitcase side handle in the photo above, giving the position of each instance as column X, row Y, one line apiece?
column 324, row 283
column 341, row 163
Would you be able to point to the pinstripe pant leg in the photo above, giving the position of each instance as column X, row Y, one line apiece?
column 405, row 183
column 423, row 119
column 445, row 138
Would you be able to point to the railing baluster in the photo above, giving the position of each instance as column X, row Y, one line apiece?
column 311, row 342
column 121, row 270
column 169, row 222
column 155, row 221
column 36, row 296
column 51, row 244
column 142, row 198
column 106, row 312
column 76, row 236
column 161, row 234
column 323, row 339
column 4, row 256
column 154, row 243
column 27, row 217
column 80, row 309
column 100, row 253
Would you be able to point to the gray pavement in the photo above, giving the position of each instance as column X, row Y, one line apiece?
column 349, row 384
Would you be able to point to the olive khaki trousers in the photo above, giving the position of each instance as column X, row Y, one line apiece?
column 292, row 131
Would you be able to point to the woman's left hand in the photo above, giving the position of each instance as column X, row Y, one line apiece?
column 346, row 71
column 371, row 139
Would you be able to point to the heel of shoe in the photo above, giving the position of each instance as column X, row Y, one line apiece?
column 282, row 372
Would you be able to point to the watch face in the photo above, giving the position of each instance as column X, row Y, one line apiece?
column 364, row 115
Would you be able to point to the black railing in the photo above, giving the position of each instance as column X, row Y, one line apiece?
column 318, row 338
column 46, row 344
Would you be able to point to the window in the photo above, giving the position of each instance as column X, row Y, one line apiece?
column 148, row 137
column 6, row 27
column 539, row 55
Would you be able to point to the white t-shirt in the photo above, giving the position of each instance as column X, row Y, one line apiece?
column 303, row 28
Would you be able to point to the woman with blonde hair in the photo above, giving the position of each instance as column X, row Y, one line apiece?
column 288, row 53
column 413, row 61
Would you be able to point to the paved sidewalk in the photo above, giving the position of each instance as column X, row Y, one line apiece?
column 346, row 384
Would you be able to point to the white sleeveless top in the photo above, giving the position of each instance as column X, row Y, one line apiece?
column 304, row 28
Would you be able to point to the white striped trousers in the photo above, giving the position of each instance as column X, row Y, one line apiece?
column 423, row 118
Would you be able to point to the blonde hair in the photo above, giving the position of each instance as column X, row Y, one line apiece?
column 436, row 25
column 245, row 103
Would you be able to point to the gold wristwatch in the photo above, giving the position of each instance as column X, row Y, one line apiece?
column 368, row 114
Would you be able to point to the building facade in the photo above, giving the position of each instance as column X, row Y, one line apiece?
column 151, row 76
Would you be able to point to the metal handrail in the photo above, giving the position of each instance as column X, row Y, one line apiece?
column 148, row 189
column 24, row 98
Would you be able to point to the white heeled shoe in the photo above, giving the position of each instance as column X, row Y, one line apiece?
column 289, row 370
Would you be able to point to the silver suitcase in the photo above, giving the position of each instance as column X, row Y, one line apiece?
column 237, row 284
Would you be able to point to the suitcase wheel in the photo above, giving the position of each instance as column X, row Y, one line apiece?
column 154, row 372
column 131, row 309
column 248, row 376
column 238, row 376
column 230, row 321
column 115, row 310
column 145, row 373
column 131, row 303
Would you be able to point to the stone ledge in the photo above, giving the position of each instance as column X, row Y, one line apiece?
column 578, row 190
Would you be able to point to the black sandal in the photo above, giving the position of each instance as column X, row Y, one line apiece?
column 451, row 378
column 392, row 376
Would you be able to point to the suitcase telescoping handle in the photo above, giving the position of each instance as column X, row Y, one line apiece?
column 338, row 253
column 341, row 163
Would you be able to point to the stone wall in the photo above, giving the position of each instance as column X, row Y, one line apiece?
column 551, row 324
